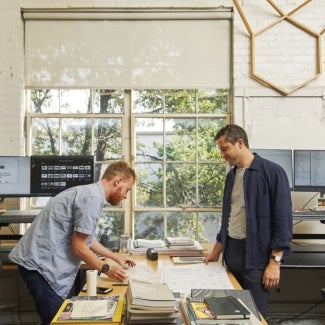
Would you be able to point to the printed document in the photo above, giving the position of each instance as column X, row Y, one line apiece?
column 183, row 278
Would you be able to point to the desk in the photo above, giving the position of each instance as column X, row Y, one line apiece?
column 155, row 267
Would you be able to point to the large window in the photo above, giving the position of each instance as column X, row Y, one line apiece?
column 78, row 122
column 170, row 144
column 179, row 168
column 153, row 91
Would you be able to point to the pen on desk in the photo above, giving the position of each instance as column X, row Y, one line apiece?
column 120, row 284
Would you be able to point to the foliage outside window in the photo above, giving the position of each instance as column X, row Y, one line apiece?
column 180, row 173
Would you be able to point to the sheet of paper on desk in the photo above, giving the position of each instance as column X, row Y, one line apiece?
column 143, row 273
column 183, row 278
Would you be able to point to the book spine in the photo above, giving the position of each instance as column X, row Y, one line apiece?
column 191, row 313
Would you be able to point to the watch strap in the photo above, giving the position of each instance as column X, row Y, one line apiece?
column 105, row 268
column 276, row 258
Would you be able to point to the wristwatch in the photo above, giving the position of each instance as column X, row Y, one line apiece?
column 276, row 258
column 105, row 268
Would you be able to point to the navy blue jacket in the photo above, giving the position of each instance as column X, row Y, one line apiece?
column 269, row 222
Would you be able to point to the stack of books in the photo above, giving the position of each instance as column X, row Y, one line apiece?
column 179, row 242
column 150, row 303
column 175, row 246
column 216, row 310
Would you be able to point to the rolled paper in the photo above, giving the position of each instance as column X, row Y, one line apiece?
column 91, row 282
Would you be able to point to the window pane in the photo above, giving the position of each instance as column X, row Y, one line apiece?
column 99, row 170
column 180, row 139
column 108, row 101
column 44, row 101
column 213, row 101
column 211, row 183
column 111, row 223
column 149, row 225
column 108, row 138
column 75, row 101
column 45, row 136
column 207, row 129
column 181, row 224
column 180, row 185
column 149, row 186
column 76, row 136
column 209, row 226
column 148, row 101
column 180, row 101
column 149, row 139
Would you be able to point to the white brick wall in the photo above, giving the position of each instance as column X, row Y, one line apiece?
column 271, row 120
column 11, row 81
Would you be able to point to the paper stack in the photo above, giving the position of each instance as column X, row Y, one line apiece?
column 175, row 246
column 150, row 303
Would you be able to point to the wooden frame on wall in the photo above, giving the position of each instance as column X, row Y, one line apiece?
column 282, row 17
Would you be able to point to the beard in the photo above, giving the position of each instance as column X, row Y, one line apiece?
column 115, row 198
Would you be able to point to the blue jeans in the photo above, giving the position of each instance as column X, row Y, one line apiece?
column 235, row 259
column 46, row 300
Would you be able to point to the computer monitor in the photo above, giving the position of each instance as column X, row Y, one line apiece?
column 309, row 170
column 52, row 174
column 14, row 176
column 282, row 157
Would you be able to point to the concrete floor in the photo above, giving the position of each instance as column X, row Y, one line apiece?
column 298, row 321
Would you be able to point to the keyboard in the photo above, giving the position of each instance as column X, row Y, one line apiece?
column 18, row 216
column 309, row 213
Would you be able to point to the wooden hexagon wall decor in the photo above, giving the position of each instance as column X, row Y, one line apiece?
column 300, row 28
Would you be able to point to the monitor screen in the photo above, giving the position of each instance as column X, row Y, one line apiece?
column 53, row 174
column 309, row 170
column 14, row 176
column 282, row 157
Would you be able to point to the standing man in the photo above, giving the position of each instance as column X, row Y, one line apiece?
column 256, row 227
column 63, row 234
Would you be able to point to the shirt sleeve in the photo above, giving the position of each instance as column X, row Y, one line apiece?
column 87, row 211
column 282, row 225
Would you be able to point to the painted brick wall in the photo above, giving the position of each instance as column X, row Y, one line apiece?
column 11, row 82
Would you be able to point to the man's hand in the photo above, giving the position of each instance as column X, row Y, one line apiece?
column 116, row 273
column 271, row 277
column 127, row 261
column 214, row 254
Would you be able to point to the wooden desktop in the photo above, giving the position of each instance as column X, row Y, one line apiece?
column 155, row 267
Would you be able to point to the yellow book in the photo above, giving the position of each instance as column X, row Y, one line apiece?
column 201, row 310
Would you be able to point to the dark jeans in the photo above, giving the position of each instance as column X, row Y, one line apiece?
column 235, row 259
column 46, row 300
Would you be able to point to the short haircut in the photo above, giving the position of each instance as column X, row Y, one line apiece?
column 232, row 134
column 119, row 168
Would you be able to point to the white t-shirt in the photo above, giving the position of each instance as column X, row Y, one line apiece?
column 237, row 220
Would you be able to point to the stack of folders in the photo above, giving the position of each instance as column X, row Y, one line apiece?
column 183, row 246
column 150, row 303
column 215, row 310
column 176, row 246
column 179, row 241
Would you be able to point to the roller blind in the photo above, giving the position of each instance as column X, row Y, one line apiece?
column 128, row 50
